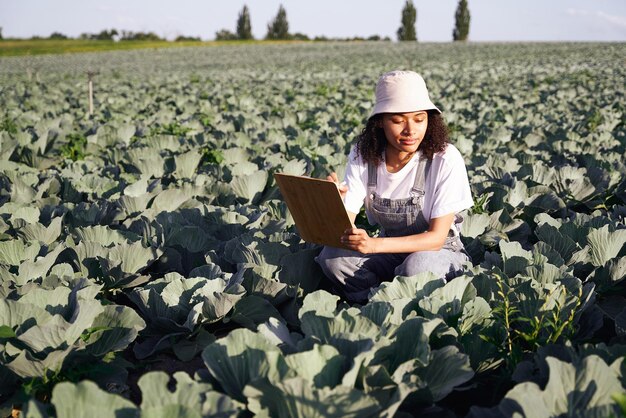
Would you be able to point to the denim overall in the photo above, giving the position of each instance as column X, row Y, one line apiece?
column 353, row 274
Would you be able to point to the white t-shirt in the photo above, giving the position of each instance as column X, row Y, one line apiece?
column 447, row 188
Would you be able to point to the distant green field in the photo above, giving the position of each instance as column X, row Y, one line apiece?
column 67, row 46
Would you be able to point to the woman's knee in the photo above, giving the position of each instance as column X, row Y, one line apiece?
column 336, row 263
column 348, row 273
column 442, row 264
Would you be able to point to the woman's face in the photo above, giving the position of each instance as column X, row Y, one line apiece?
column 405, row 131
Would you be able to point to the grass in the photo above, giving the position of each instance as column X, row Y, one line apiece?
column 17, row 47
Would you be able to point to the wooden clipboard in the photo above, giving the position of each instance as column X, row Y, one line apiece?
column 316, row 207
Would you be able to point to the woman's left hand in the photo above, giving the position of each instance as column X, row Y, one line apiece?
column 357, row 239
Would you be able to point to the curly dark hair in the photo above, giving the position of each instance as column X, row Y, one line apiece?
column 371, row 142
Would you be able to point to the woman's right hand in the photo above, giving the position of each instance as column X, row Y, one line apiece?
column 343, row 188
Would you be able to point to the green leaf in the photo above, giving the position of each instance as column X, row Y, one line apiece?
column 415, row 287
column 379, row 312
column 187, row 349
column 582, row 389
column 252, row 311
column 236, row 155
column 562, row 244
column 157, row 399
column 86, row 399
column 16, row 314
column 610, row 275
column 475, row 313
column 276, row 332
column 58, row 332
column 244, row 168
column 346, row 322
column 104, row 235
column 242, row 357
column 34, row 409
column 25, row 214
column 620, row 398
column 408, row 342
column 448, row 301
column 137, row 189
column 31, row 270
column 15, row 251
column 6, row 332
column 513, row 249
column 147, row 161
column 171, row 199
column 321, row 302
column 474, row 225
column 447, row 369
column 295, row 168
column 218, row 304
column 296, row 397
column 132, row 257
column 301, row 269
column 322, row 366
column 249, row 187
column 186, row 164
column 605, row 245
column 113, row 330
column 26, row 365
column 38, row 232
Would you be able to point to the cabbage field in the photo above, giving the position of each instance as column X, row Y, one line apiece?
column 149, row 268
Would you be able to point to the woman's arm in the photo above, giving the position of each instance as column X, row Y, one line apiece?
column 432, row 240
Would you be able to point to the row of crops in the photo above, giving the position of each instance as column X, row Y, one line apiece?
column 149, row 268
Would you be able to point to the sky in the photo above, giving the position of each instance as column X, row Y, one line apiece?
column 491, row 20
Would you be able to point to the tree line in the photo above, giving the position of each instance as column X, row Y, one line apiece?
column 115, row 35
column 278, row 29
column 407, row 31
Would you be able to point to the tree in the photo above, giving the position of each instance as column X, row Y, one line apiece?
column 104, row 35
column 279, row 27
column 183, row 38
column 0, row 32
column 244, row 27
column 406, row 32
column 57, row 35
column 139, row 36
column 225, row 35
column 461, row 22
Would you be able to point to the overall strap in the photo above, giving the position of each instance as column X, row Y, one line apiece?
column 418, row 192
column 372, row 177
column 423, row 167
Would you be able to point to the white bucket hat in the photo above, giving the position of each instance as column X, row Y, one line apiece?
column 401, row 92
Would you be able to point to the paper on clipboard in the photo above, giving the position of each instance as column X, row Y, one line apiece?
column 316, row 207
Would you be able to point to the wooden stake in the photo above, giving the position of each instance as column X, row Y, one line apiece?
column 90, row 75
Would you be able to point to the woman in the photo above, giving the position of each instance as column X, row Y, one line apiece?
column 413, row 184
